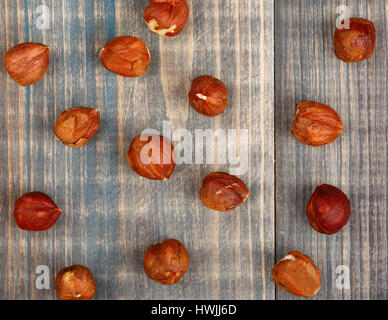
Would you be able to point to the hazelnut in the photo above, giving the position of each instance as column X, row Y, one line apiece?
column 76, row 126
column 208, row 96
column 35, row 211
column 328, row 209
column 297, row 274
column 316, row 124
column 223, row 192
column 152, row 157
column 126, row 56
column 356, row 43
column 27, row 63
column 167, row 17
column 166, row 262
column 75, row 283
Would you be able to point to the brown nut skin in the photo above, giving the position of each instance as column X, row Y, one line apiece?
column 75, row 283
column 126, row 56
column 77, row 126
column 356, row 43
column 166, row 262
column 297, row 274
column 221, row 191
column 27, row 63
column 167, row 17
column 208, row 95
column 159, row 155
column 328, row 209
column 35, row 211
column 316, row 124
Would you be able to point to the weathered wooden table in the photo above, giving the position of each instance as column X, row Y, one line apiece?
column 271, row 54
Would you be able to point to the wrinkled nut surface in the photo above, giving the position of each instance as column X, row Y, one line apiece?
column 35, row 211
column 208, row 95
column 166, row 262
column 297, row 274
column 356, row 43
column 126, row 56
column 328, row 209
column 77, row 126
column 152, row 157
column 27, row 63
column 75, row 283
column 167, row 17
column 221, row 191
column 316, row 124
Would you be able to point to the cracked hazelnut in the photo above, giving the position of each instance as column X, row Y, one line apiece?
column 223, row 192
column 297, row 274
column 152, row 157
column 35, row 211
column 167, row 17
column 75, row 283
column 126, row 56
column 328, row 209
column 208, row 95
column 166, row 262
column 27, row 63
column 316, row 124
column 77, row 126
column 356, row 43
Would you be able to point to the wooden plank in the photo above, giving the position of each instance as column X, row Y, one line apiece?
column 307, row 69
column 110, row 215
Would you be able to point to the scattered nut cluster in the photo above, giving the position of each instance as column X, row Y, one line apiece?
column 153, row 157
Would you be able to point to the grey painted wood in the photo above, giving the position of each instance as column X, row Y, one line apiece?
column 110, row 215
column 307, row 69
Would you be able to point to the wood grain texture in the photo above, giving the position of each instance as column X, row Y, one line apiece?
column 110, row 215
column 307, row 69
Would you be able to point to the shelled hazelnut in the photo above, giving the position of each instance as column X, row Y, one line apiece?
column 356, row 43
column 208, row 95
column 77, row 126
column 297, row 274
column 27, row 63
column 166, row 262
column 316, row 124
column 328, row 209
column 35, row 211
column 75, row 283
column 126, row 56
column 152, row 157
column 221, row 191
column 167, row 17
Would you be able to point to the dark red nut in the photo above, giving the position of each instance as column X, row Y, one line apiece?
column 27, row 63
column 167, row 17
column 35, row 211
column 126, row 56
column 208, row 95
column 221, row 191
column 152, row 157
column 316, row 124
column 328, row 209
column 297, row 274
column 75, row 283
column 356, row 43
column 166, row 262
column 77, row 126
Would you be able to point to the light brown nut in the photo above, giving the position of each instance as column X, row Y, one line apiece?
column 316, row 124
column 126, row 56
column 77, row 126
column 75, row 283
column 27, row 63
column 297, row 274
